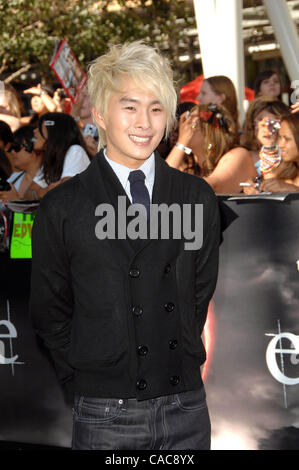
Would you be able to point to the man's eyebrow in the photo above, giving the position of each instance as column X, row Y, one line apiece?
column 134, row 100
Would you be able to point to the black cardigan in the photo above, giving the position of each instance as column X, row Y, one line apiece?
column 122, row 318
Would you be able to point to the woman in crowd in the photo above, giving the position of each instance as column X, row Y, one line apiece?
column 268, row 83
column 210, row 133
column 41, row 101
column 285, row 177
column 261, row 125
column 11, row 107
column 6, row 138
column 81, row 112
column 27, row 164
column 64, row 154
column 219, row 89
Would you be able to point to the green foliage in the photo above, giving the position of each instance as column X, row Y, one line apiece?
column 29, row 28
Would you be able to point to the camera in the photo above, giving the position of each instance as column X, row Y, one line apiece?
column 62, row 94
column 273, row 126
column 90, row 129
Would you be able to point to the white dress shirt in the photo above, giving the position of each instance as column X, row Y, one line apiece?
column 122, row 172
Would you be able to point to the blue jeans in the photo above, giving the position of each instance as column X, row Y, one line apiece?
column 173, row 422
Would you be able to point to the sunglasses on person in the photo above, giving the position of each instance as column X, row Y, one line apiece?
column 16, row 147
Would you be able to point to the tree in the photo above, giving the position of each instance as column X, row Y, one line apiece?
column 29, row 29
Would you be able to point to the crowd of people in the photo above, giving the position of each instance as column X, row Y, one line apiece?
column 262, row 155
column 58, row 139
column 43, row 149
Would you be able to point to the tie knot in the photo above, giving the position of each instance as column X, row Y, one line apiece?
column 136, row 175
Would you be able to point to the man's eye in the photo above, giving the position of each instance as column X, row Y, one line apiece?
column 156, row 110
column 130, row 108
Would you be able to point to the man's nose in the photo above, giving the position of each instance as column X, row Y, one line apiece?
column 143, row 119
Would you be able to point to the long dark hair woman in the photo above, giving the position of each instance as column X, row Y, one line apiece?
column 64, row 153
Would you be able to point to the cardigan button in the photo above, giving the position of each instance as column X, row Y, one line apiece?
column 141, row 384
column 167, row 269
column 174, row 380
column 169, row 307
column 134, row 272
column 173, row 343
column 137, row 310
column 142, row 350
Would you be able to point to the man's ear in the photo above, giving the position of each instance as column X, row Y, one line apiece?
column 99, row 118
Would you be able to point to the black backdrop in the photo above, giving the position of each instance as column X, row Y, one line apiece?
column 257, row 297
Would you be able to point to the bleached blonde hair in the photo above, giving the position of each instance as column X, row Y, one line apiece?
column 140, row 62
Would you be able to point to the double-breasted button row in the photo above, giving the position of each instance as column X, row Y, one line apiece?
column 141, row 384
column 135, row 272
column 137, row 310
column 142, row 350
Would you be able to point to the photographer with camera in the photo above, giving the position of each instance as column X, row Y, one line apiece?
column 284, row 177
column 210, row 133
column 41, row 102
column 61, row 100
column 81, row 112
column 260, row 132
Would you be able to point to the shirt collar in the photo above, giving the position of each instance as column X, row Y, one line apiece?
column 122, row 172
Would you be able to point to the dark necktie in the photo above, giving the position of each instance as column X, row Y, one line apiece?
column 139, row 191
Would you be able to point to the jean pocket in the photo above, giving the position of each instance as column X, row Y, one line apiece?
column 96, row 410
column 192, row 401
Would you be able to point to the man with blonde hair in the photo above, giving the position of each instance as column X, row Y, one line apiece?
column 123, row 315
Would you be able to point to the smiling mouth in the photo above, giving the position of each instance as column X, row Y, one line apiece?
column 140, row 140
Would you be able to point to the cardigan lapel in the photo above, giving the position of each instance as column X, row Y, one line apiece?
column 103, row 187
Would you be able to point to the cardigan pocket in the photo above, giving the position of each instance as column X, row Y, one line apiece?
column 99, row 339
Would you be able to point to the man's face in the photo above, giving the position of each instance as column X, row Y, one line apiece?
column 134, row 123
